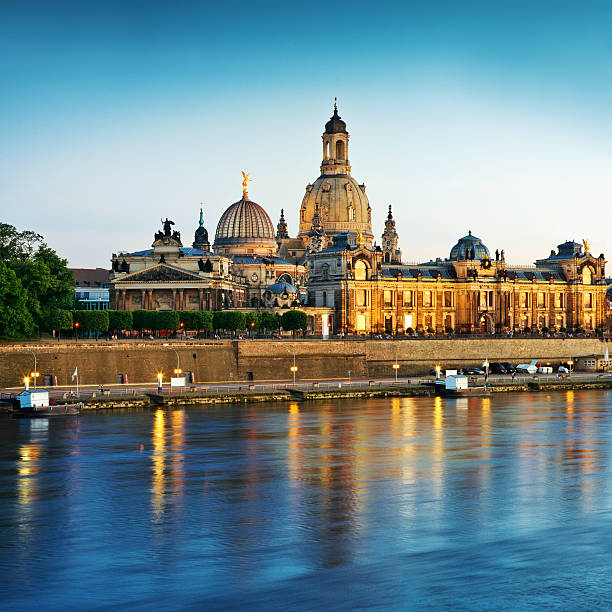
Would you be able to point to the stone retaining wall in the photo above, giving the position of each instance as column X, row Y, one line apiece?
column 101, row 362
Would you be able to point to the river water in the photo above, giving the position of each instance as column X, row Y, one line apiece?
column 411, row 503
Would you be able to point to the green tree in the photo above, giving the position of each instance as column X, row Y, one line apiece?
column 293, row 320
column 43, row 274
column 142, row 320
column 15, row 318
column 167, row 320
column 268, row 320
column 119, row 320
column 95, row 321
column 58, row 320
column 235, row 320
column 219, row 319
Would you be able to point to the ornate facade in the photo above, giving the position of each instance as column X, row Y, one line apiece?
column 345, row 281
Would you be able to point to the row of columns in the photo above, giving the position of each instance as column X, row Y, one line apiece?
column 208, row 299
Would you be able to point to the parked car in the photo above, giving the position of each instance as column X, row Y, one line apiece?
column 497, row 368
column 474, row 372
column 509, row 367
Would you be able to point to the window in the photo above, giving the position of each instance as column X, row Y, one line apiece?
column 407, row 299
column 448, row 299
column 339, row 149
column 360, row 322
column 541, row 300
column 588, row 300
column 324, row 298
column 524, row 300
column 427, row 301
column 360, row 270
column 325, row 272
column 587, row 276
column 362, row 297
column 558, row 300
column 387, row 298
column 490, row 299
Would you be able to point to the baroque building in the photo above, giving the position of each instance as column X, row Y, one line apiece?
column 346, row 283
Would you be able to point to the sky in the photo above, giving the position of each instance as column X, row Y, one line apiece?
column 492, row 117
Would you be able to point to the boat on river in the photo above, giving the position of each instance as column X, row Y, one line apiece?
column 34, row 404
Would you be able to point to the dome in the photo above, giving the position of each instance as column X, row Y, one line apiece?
column 463, row 249
column 343, row 205
column 335, row 125
column 245, row 227
column 281, row 286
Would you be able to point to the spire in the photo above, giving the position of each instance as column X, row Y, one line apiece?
column 335, row 105
column 201, row 215
column 200, row 239
column 391, row 252
column 281, row 228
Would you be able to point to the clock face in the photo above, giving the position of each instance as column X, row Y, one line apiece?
column 254, row 277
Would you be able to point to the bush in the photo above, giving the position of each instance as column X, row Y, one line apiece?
column 143, row 320
column 431, row 331
column 167, row 320
column 409, row 331
column 269, row 320
column 449, row 330
column 91, row 320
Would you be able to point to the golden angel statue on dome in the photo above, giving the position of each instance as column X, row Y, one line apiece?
column 585, row 244
column 245, row 181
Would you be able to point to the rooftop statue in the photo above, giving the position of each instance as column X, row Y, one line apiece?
column 245, row 181
column 167, row 227
column 585, row 244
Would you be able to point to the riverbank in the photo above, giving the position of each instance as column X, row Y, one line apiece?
column 247, row 394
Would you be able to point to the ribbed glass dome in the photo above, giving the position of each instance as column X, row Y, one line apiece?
column 469, row 247
column 245, row 222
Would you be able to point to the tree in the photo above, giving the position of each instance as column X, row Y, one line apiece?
column 43, row 274
column 15, row 318
column 119, row 320
column 91, row 320
column 234, row 319
column 167, row 320
column 269, row 320
column 58, row 320
column 293, row 320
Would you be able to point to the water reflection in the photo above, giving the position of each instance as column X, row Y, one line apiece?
column 415, row 501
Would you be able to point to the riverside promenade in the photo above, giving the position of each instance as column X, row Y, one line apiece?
column 115, row 397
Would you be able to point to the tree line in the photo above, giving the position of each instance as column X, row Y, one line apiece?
column 116, row 321
column 35, row 284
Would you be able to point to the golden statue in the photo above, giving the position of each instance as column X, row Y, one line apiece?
column 360, row 240
column 245, row 181
column 585, row 244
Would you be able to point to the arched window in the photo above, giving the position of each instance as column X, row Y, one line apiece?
column 361, row 270
column 339, row 149
column 587, row 276
column 324, row 298
column 325, row 272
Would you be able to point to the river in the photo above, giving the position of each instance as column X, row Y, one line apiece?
column 411, row 503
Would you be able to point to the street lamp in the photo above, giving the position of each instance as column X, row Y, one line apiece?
column 438, row 368
column 26, row 382
column 76, row 327
column 570, row 363
column 159, row 382
column 293, row 368
column 178, row 370
column 396, row 368
column 35, row 372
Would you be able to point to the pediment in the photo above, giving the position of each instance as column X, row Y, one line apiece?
column 159, row 273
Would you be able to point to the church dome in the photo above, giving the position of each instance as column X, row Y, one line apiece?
column 335, row 125
column 245, row 227
column 464, row 247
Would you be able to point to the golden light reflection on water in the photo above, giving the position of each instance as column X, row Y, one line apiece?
column 293, row 446
column 177, row 444
column 159, row 461
column 27, row 466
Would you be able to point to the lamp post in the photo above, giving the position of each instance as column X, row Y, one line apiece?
column 178, row 370
column 159, row 382
column 570, row 363
column 76, row 328
column 438, row 368
column 396, row 368
column 293, row 368
column 35, row 372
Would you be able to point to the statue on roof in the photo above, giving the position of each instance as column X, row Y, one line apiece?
column 167, row 227
column 585, row 244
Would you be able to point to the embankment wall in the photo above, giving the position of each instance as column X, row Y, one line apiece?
column 101, row 362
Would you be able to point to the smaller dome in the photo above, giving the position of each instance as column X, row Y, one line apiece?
column 335, row 125
column 281, row 286
column 469, row 247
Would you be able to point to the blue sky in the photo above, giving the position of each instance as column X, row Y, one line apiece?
column 494, row 117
